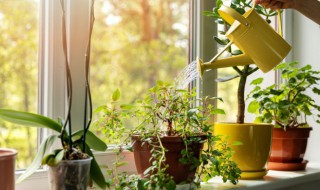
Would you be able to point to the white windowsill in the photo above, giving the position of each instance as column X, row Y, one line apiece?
column 275, row 180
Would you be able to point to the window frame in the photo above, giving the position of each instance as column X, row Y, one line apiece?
column 52, row 98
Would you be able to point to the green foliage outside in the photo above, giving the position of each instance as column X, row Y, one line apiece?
column 148, row 43
column 19, row 73
column 145, row 41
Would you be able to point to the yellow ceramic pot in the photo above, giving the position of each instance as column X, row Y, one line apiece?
column 253, row 153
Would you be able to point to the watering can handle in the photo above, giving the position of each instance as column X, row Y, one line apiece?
column 230, row 15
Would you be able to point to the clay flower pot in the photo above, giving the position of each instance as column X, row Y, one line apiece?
column 174, row 145
column 288, row 149
column 7, row 168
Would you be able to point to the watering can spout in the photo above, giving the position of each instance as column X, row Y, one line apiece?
column 239, row 60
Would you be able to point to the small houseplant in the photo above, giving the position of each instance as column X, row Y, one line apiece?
column 288, row 105
column 171, row 136
column 245, row 155
column 166, row 117
column 69, row 165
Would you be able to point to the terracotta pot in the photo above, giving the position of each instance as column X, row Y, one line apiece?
column 7, row 168
column 174, row 145
column 70, row 175
column 253, row 154
column 288, row 148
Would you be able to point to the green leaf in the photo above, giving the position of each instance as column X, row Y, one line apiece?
column 253, row 106
column 36, row 163
column 95, row 171
column 171, row 185
column 116, row 95
column 29, row 119
column 218, row 111
column 257, row 81
column 221, row 42
column 119, row 164
column 236, row 52
column 58, row 157
column 92, row 140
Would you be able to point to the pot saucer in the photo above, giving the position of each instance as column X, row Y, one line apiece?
column 253, row 174
column 287, row 166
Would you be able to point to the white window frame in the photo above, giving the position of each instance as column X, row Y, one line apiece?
column 52, row 78
column 52, row 75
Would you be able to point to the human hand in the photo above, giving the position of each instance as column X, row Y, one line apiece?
column 276, row 4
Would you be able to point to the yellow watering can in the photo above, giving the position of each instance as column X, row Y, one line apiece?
column 258, row 41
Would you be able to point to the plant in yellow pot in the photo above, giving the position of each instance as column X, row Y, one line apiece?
column 288, row 105
column 254, row 140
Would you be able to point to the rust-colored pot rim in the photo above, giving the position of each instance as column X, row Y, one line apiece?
column 137, row 137
column 243, row 124
column 6, row 152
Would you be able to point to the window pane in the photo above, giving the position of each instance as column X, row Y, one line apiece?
column 18, row 73
column 136, row 43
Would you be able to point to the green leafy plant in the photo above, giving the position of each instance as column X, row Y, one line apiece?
column 74, row 145
column 289, row 103
column 241, row 72
column 111, row 122
column 166, row 111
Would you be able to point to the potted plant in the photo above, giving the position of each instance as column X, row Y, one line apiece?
column 174, row 128
column 253, row 153
column 70, row 164
column 288, row 105
column 168, row 142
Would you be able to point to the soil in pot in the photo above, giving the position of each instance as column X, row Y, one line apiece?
column 7, row 168
column 70, row 175
column 288, row 149
column 174, row 145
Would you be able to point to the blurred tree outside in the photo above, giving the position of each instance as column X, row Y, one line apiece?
column 19, row 73
column 136, row 43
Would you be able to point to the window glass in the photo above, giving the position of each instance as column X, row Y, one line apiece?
column 18, row 73
column 134, row 44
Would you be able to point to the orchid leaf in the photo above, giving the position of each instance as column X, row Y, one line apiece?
column 95, row 170
column 36, row 163
column 29, row 119
column 92, row 140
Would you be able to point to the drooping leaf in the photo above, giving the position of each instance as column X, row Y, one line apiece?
column 36, row 163
column 95, row 171
column 29, row 119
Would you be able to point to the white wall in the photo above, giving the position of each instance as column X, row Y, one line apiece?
column 306, row 50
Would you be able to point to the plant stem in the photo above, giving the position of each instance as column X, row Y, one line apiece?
column 69, row 83
column 87, row 89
